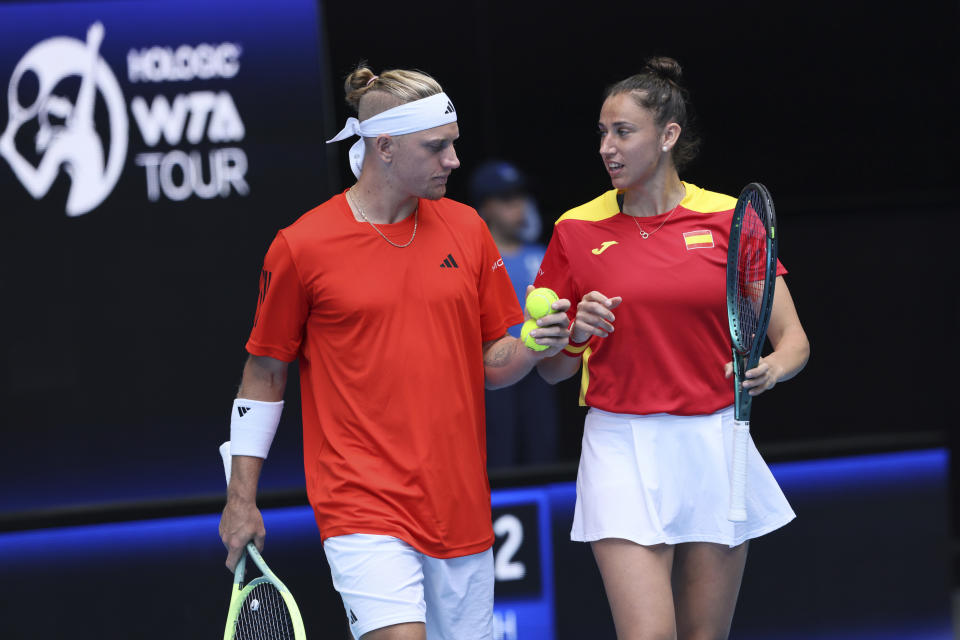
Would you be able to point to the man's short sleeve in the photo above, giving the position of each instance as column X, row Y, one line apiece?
column 499, row 308
column 282, row 306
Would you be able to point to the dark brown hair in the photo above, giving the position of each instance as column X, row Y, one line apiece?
column 658, row 89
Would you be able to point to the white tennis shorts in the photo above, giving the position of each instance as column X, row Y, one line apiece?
column 666, row 479
column 384, row 581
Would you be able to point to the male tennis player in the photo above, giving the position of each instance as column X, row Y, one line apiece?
column 396, row 303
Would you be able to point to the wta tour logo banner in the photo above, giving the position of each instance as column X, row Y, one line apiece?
column 66, row 137
column 149, row 151
column 132, row 95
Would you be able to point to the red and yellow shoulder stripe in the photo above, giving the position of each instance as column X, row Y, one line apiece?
column 605, row 206
column 703, row 201
column 597, row 209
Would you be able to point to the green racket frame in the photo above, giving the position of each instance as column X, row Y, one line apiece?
column 240, row 593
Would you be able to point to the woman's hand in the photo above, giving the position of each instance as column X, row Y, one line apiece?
column 761, row 378
column 594, row 317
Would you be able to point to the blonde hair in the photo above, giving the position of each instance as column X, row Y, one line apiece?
column 370, row 94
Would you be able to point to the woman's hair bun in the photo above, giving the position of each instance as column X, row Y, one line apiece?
column 665, row 67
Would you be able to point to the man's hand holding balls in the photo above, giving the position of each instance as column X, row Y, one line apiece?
column 547, row 318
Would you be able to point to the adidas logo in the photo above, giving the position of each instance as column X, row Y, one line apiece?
column 449, row 262
column 450, row 108
column 353, row 617
column 243, row 410
column 265, row 277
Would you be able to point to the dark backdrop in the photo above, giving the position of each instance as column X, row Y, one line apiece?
column 847, row 112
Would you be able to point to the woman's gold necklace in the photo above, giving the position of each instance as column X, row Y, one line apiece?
column 644, row 234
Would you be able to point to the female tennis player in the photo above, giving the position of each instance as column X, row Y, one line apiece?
column 647, row 263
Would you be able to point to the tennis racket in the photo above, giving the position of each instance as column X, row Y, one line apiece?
column 751, row 274
column 263, row 609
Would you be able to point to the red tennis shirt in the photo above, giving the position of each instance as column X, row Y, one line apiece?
column 671, row 337
column 391, row 367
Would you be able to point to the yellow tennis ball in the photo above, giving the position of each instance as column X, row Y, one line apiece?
column 540, row 301
column 527, row 339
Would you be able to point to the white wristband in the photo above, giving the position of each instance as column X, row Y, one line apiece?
column 253, row 424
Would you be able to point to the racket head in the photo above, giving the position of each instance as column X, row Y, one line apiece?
column 751, row 277
column 263, row 609
column 751, row 271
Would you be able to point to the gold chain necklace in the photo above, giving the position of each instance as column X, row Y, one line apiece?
column 644, row 234
column 356, row 203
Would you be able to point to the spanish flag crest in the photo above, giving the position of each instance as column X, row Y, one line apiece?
column 702, row 239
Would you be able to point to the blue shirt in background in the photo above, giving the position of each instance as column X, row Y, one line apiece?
column 522, row 267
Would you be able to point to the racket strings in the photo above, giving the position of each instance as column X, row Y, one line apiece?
column 264, row 616
column 751, row 272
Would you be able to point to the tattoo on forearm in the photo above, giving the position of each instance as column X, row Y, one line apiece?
column 500, row 354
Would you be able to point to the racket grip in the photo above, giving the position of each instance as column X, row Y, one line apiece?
column 738, row 472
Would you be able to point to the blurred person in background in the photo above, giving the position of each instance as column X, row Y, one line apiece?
column 521, row 419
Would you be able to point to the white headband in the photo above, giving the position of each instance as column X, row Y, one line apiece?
column 426, row 113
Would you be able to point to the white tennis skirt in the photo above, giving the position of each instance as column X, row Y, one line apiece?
column 666, row 479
